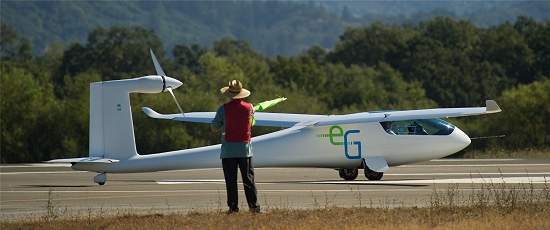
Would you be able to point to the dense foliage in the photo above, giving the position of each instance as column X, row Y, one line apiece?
column 442, row 62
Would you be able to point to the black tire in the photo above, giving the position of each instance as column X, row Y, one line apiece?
column 373, row 175
column 100, row 179
column 348, row 174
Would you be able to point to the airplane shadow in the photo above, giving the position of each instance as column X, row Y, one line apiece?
column 399, row 183
column 358, row 183
column 133, row 180
column 55, row 186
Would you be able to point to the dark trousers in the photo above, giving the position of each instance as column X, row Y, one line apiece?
column 247, row 172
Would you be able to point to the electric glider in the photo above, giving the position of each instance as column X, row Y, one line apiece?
column 371, row 141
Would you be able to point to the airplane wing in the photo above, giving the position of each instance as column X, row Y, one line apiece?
column 262, row 119
column 490, row 107
column 289, row 120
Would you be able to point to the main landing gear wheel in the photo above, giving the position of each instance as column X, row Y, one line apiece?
column 348, row 174
column 373, row 175
column 100, row 179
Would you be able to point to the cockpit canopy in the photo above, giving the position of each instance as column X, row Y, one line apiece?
column 418, row 127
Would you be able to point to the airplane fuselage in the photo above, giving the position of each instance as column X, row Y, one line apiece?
column 339, row 146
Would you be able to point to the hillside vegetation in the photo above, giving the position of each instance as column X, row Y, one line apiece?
column 270, row 27
column 439, row 63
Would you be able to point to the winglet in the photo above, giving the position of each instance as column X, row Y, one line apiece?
column 491, row 107
column 151, row 113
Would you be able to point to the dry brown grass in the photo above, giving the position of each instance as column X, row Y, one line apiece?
column 494, row 206
column 522, row 217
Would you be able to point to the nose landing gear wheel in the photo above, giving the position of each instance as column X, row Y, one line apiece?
column 100, row 179
column 373, row 175
column 348, row 174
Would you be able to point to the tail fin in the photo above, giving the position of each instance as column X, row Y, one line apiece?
column 111, row 126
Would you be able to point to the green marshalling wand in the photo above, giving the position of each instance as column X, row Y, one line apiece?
column 262, row 106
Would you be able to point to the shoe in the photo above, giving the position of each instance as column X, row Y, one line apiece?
column 232, row 211
column 255, row 210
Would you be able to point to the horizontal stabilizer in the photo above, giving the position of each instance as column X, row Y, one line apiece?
column 86, row 160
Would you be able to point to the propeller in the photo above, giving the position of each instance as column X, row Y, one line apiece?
column 161, row 73
column 158, row 68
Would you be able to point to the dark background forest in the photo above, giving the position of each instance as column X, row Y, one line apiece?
column 270, row 27
column 326, row 57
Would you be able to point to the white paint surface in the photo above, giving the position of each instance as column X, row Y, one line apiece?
column 479, row 180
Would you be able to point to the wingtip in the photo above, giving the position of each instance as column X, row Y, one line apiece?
column 149, row 112
column 491, row 106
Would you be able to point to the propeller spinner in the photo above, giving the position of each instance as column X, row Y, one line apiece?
column 168, row 83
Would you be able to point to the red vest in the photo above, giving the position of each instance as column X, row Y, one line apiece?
column 238, row 114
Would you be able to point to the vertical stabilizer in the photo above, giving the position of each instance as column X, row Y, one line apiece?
column 111, row 126
column 96, row 121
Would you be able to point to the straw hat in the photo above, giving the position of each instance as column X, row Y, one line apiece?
column 235, row 90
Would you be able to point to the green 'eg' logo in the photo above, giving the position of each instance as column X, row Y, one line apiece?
column 335, row 135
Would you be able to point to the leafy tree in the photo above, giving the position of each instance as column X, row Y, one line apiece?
column 301, row 74
column 188, row 56
column 445, row 57
column 524, row 119
column 116, row 53
column 371, row 45
column 317, row 53
column 537, row 36
column 12, row 46
column 24, row 105
column 360, row 89
column 73, row 118
column 228, row 47
column 458, row 35
column 506, row 47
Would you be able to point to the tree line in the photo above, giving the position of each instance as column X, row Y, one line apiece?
column 44, row 108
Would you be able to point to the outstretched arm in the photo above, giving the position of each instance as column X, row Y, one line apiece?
column 217, row 122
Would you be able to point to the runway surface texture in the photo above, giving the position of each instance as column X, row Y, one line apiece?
column 36, row 189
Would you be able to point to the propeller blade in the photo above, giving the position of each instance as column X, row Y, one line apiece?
column 158, row 68
column 161, row 73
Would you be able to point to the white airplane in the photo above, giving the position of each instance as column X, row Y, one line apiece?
column 371, row 141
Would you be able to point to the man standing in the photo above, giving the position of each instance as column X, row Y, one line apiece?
column 235, row 119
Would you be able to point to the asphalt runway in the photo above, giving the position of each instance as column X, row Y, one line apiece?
column 39, row 189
